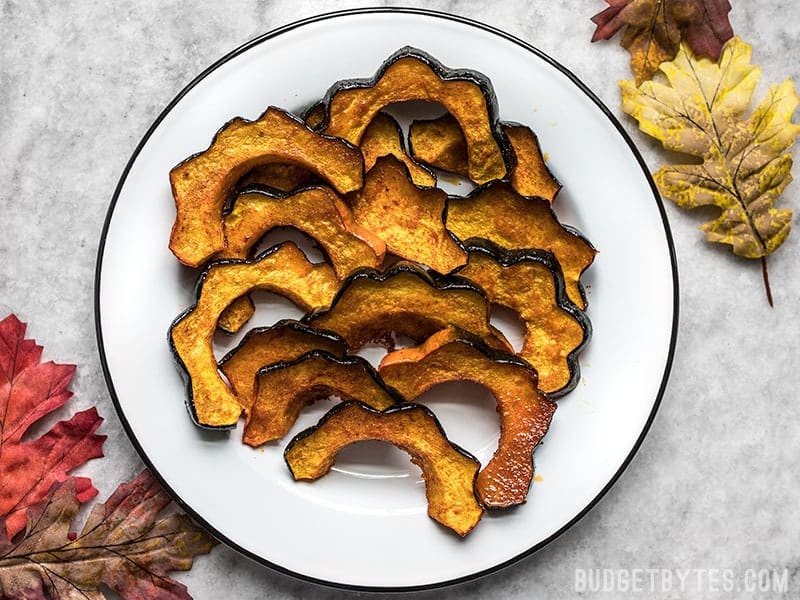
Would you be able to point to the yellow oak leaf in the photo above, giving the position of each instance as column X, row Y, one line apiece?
column 700, row 111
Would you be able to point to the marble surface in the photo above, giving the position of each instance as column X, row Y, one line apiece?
column 714, row 485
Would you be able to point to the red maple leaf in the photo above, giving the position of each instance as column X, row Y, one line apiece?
column 29, row 390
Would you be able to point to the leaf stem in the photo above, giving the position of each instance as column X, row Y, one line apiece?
column 765, row 275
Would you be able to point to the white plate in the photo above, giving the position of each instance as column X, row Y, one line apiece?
column 364, row 525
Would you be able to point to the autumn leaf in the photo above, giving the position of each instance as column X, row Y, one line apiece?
column 654, row 29
column 745, row 164
column 29, row 390
column 123, row 545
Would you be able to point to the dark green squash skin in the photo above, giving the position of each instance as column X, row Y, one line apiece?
column 508, row 258
column 441, row 282
column 444, row 73
column 198, row 288
column 399, row 408
column 568, row 228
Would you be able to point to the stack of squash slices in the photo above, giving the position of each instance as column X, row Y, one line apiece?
column 403, row 258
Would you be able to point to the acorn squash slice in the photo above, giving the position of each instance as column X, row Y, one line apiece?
column 405, row 300
column 236, row 314
column 316, row 211
column 202, row 184
column 524, row 411
column 530, row 176
column 285, row 388
column 497, row 213
column 383, row 137
column 281, row 177
column 261, row 347
column 283, row 270
column 440, row 144
column 411, row 74
column 448, row 471
column 409, row 219
column 530, row 283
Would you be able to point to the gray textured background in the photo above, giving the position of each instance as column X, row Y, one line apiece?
column 715, row 484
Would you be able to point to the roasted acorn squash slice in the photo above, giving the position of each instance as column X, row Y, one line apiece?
column 283, row 270
column 316, row 211
column 202, row 184
column 281, row 177
column 236, row 314
column 449, row 472
column 530, row 176
column 409, row 219
column 261, row 347
column 370, row 306
column 384, row 137
column 525, row 412
column 530, row 283
column 440, row 144
column 285, row 388
column 410, row 74
column 497, row 213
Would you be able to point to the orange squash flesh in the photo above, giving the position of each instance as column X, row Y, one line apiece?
column 531, row 284
column 383, row 137
column 449, row 472
column 530, row 176
column 283, row 177
column 201, row 184
column 441, row 144
column 317, row 212
column 525, row 413
column 264, row 346
column 405, row 300
column 285, row 388
column 409, row 219
column 283, row 270
column 413, row 75
column 497, row 213
column 236, row 314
